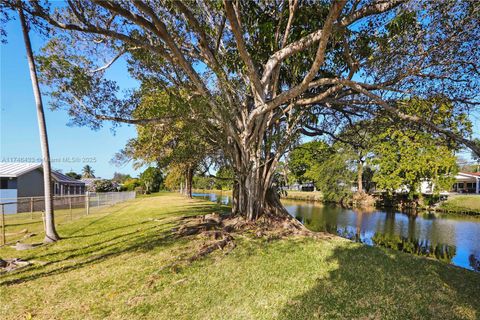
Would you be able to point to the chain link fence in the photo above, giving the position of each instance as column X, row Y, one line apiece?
column 21, row 217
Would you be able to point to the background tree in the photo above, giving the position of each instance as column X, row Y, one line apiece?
column 50, row 231
column 358, row 140
column 151, row 179
column 305, row 157
column 224, row 178
column 177, row 142
column 120, row 177
column 259, row 72
column 103, row 185
column 406, row 158
column 335, row 175
column 88, row 172
column 331, row 168
column 74, row 175
column 131, row 184
column 203, row 182
column 175, row 178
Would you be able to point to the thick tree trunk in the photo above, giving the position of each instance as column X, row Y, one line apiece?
column 360, row 177
column 253, row 195
column 50, row 232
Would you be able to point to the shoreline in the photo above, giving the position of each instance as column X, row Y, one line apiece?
column 316, row 196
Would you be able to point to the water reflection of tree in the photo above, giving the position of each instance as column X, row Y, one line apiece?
column 474, row 262
column 326, row 219
column 418, row 247
column 319, row 218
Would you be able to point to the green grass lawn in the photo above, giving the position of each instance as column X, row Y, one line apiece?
column 461, row 203
column 304, row 195
column 122, row 262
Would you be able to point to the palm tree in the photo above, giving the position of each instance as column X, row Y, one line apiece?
column 87, row 172
column 50, row 232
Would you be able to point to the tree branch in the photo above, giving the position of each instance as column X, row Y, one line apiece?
column 333, row 15
column 392, row 110
column 242, row 49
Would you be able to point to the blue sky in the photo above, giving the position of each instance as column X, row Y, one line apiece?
column 70, row 147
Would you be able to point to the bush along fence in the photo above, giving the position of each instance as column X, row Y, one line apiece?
column 20, row 216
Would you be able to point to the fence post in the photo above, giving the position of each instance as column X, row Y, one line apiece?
column 3, row 224
column 31, row 207
column 87, row 202
column 70, row 205
column 98, row 200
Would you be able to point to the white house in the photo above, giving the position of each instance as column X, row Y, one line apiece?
column 467, row 182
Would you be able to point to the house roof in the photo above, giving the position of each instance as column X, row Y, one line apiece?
column 470, row 174
column 15, row 169
column 60, row 177
column 89, row 181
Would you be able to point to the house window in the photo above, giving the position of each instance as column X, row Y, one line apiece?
column 3, row 183
column 8, row 183
column 460, row 185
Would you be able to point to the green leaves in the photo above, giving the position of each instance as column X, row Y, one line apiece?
column 402, row 23
column 405, row 158
column 304, row 159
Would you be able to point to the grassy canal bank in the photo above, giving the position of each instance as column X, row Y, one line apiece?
column 461, row 204
column 126, row 262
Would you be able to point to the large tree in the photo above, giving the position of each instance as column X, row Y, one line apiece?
column 176, row 142
column 261, row 71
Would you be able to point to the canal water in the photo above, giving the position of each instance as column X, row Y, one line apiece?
column 453, row 239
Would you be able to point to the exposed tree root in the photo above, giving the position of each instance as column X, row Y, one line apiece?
column 224, row 241
column 218, row 231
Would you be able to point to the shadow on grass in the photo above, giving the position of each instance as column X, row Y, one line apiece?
column 91, row 252
column 72, row 236
column 90, row 246
column 113, row 251
column 372, row 283
column 8, row 225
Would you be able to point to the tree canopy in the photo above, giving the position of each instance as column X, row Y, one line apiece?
column 304, row 159
column 253, row 75
column 151, row 179
column 73, row 175
column 405, row 159
column 88, row 172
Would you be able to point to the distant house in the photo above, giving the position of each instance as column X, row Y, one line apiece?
column 467, row 182
column 90, row 183
column 19, row 180
column 308, row 186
